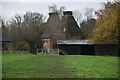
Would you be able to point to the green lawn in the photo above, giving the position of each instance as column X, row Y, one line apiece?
column 25, row 65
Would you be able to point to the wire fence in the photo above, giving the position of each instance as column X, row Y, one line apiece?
column 48, row 51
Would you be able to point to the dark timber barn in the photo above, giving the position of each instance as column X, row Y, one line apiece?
column 83, row 47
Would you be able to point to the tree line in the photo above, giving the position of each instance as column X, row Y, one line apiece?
column 25, row 31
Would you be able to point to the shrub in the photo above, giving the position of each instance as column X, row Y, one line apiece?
column 62, row 52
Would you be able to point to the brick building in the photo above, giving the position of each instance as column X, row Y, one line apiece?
column 59, row 29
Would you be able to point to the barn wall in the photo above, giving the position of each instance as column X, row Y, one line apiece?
column 87, row 49
column 102, row 49
column 106, row 49
column 70, row 49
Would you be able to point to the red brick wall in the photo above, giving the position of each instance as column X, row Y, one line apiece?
column 48, row 45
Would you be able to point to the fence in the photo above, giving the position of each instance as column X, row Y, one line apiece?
column 48, row 51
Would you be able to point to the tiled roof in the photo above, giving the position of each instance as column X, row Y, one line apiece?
column 56, row 26
column 47, row 33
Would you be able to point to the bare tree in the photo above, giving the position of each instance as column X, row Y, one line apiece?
column 27, row 28
column 89, row 13
column 78, row 16
column 3, row 26
column 55, row 9
column 18, row 20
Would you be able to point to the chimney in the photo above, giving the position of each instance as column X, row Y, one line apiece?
column 53, row 14
column 69, row 13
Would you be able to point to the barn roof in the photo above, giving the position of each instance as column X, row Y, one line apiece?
column 73, row 42
column 68, row 22
column 52, row 25
column 67, row 26
column 46, row 34
column 4, row 37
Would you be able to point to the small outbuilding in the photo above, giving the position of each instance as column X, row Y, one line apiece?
column 84, row 47
column 5, row 42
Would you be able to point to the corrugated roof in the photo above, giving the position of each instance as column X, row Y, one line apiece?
column 73, row 42
column 4, row 37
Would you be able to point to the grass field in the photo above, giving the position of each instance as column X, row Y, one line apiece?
column 25, row 65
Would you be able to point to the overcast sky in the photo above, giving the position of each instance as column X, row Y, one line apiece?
column 11, row 7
